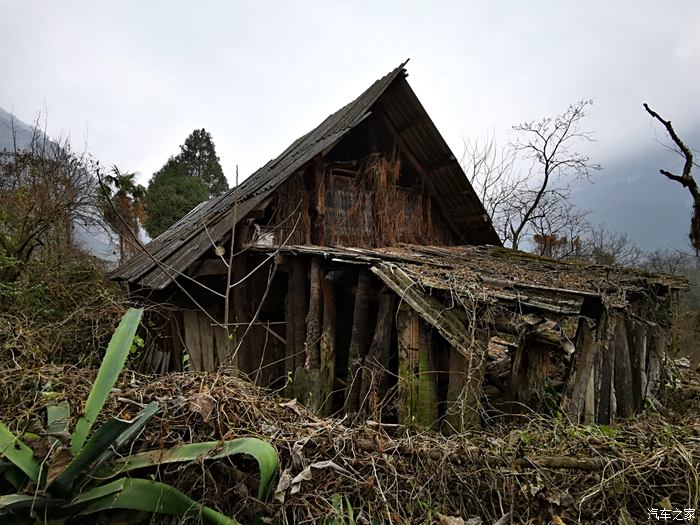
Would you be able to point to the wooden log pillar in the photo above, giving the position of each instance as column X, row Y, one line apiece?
column 239, row 293
column 327, row 348
column 408, row 336
column 307, row 379
column 176, row 346
column 466, row 376
column 637, row 337
column 374, row 380
column 296, row 327
column 655, row 353
column 624, row 388
column 529, row 374
column 606, row 404
column 358, row 341
column 579, row 396
column 426, row 404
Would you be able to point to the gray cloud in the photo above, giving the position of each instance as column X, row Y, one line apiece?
column 132, row 79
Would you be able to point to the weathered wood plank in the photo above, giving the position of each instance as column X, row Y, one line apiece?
column 426, row 404
column 206, row 341
column 374, row 372
column 408, row 336
column 307, row 379
column 192, row 339
column 327, row 347
column 359, row 340
column 623, row 371
column 587, row 351
column 429, row 308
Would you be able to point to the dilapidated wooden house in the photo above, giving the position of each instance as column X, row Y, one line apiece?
column 359, row 272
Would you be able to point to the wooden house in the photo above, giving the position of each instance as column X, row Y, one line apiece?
column 359, row 272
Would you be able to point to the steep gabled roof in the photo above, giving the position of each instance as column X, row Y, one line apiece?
column 191, row 236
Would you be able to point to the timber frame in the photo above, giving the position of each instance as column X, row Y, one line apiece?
column 359, row 273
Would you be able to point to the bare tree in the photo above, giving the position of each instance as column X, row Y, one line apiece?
column 559, row 226
column 45, row 189
column 537, row 200
column 610, row 248
column 548, row 144
column 685, row 179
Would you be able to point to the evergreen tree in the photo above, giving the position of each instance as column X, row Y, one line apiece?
column 198, row 155
column 171, row 194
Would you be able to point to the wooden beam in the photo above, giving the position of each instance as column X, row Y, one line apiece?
column 429, row 308
column 359, row 340
column 408, row 336
column 623, row 371
column 464, row 388
column 240, row 311
column 579, row 382
column 426, row 403
column 374, row 378
column 307, row 379
column 327, row 348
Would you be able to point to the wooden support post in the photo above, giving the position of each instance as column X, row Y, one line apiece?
column 464, row 387
column 358, row 340
column 374, row 372
column 176, row 346
column 223, row 347
column 579, row 389
column 193, row 339
column 655, row 352
column 637, row 337
column 408, row 336
column 307, row 379
column 240, row 311
column 606, row 391
column 529, row 374
column 298, row 302
column 623, row 371
column 290, row 349
column 426, row 404
column 327, row 348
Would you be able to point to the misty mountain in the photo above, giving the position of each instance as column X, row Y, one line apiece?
column 630, row 195
column 14, row 132
column 22, row 132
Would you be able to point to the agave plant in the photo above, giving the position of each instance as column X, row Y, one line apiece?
column 81, row 473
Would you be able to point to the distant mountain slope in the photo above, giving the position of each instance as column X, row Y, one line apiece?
column 630, row 195
column 14, row 132
column 22, row 132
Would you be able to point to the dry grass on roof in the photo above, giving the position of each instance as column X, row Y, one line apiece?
column 477, row 264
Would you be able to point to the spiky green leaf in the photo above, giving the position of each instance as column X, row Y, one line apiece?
column 12, row 448
column 134, row 427
column 117, row 352
column 264, row 453
column 146, row 496
column 57, row 419
column 100, row 441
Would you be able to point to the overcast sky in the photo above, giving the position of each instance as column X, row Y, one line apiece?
column 133, row 79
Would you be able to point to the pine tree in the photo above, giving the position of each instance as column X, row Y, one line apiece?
column 198, row 155
column 171, row 194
